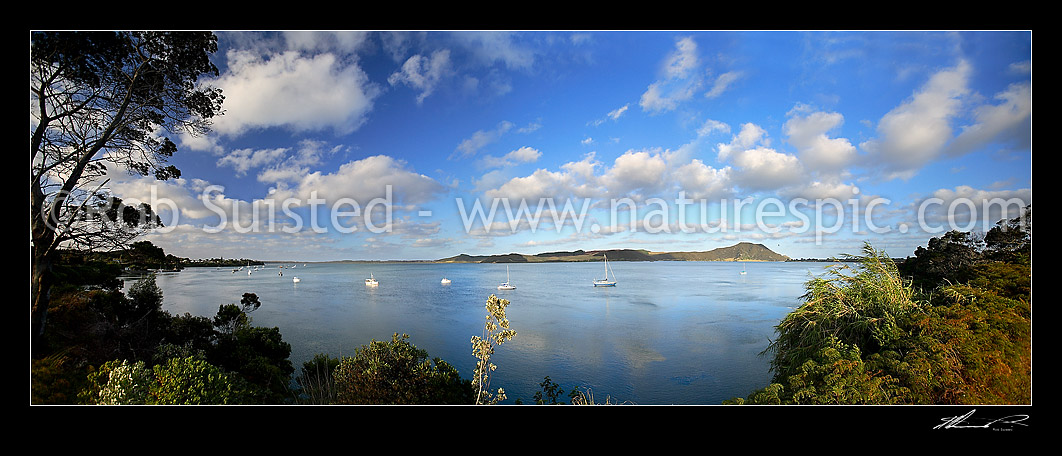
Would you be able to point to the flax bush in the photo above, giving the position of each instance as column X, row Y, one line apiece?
column 858, row 306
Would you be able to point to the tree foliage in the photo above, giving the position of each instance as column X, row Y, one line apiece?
column 397, row 372
column 103, row 100
column 104, row 327
column 178, row 381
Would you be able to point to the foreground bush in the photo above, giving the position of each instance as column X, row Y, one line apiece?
column 178, row 381
column 397, row 372
column 868, row 338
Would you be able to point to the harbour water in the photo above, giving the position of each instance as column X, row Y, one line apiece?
column 669, row 332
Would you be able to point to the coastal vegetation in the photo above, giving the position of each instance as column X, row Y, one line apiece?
column 951, row 325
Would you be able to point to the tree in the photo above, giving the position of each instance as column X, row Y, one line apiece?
column 259, row 355
column 99, row 100
column 946, row 259
column 1010, row 241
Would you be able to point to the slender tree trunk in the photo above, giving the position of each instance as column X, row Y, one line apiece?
column 42, row 253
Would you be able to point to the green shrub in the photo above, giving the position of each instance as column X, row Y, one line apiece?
column 397, row 372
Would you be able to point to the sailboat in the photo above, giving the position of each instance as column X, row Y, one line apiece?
column 296, row 280
column 371, row 281
column 605, row 282
column 743, row 271
column 506, row 285
column 445, row 281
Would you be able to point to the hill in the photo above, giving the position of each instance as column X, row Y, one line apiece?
column 744, row 251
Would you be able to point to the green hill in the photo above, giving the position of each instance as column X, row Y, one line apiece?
column 744, row 251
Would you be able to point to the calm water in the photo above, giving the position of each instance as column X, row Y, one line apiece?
column 668, row 333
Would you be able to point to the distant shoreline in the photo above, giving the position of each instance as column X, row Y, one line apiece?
column 741, row 252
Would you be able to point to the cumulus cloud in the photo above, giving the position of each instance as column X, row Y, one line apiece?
column 917, row 131
column 294, row 91
column 1008, row 123
column 818, row 151
column 757, row 166
column 636, row 174
column 701, row 181
column 363, row 180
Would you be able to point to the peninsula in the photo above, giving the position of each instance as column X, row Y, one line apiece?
column 744, row 251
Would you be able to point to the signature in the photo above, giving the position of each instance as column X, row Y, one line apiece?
column 965, row 422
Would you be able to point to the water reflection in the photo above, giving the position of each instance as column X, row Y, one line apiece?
column 668, row 333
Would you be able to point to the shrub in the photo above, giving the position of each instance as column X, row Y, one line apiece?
column 397, row 372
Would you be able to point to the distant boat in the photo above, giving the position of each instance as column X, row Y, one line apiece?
column 605, row 282
column 506, row 285
column 445, row 281
column 371, row 281
column 295, row 280
column 743, row 271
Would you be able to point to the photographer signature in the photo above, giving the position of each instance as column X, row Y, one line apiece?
column 964, row 422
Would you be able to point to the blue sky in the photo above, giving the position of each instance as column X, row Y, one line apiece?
column 784, row 138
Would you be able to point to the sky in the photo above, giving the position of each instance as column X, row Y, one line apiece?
column 397, row 145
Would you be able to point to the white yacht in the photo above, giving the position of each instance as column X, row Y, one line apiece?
column 606, row 282
column 506, row 285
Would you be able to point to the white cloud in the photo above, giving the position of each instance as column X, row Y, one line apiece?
column 764, row 168
column 242, row 160
column 757, row 166
column 293, row 91
column 682, row 62
column 497, row 46
column 749, row 136
column 917, row 131
column 481, row 139
column 680, row 81
column 817, row 150
column 540, row 184
column 364, row 180
column 636, row 173
column 722, row 83
column 703, row 182
column 1008, row 123
column 711, row 126
column 423, row 73
column 521, row 155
